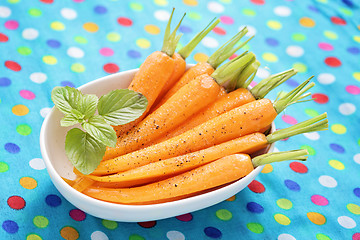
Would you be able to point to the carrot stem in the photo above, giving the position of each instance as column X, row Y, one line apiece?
column 280, row 156
column 188, row 48
column 247, row 74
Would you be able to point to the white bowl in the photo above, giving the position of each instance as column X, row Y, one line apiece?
column 52, row 143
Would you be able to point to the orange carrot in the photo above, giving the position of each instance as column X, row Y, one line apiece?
column 82, row 183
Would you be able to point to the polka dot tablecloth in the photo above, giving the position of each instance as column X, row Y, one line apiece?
column 48, row 43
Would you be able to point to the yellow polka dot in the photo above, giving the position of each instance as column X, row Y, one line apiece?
column 28, row 182
column 270, row 57
column 338, row 128
column 282, row 219
column 307, row 22
column 300, row 67
column 201, row 57
column 51, row 60
column 275, row 25
column 143, row 43
column 161, row 2
column 69, row 233
column 356, row 39
column 152, row 29
column 20, row 110
column 353, row 208
column 316, row 218
column 190, row 2
column 58, row 26
column 336, row 164
column 356, row 75
column 230, row 199
column 91, row 27
column 267, row 168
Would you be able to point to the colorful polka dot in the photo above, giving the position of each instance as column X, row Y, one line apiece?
column 200, row 57
column 353, row 208
column 12, row 65
column 33, row 236
column 338, row 128
column 35, row 12
column 336, row 164
column 215, row 7
column 291, row 185
column 298, row 37
column 346, row 222
column 268, row 168
column 53, row 200
column 28, row 182
column 77, row 68
column 270, row 57
column 352, row 89
column 256, row 187
column 298, row 167
column 223, row 214
column 24, row 129
column 152, row 29
column 185, row 217
column 109, row 224
column 11, row 24
column 16, row 202
column 68, row 13
column 212, row 232
column 274, row 25
column 307, row 22
column 319, row 200
column 77, row 215
column 255, row 227
column 111, row 68
column 254, row 207
column 149, row 224
column 316, row 218
column 124, row 21
column 69, row 233
column 40, row 221
column 91, row 27
column 10, row 226
column 50, row 60
column 282, row 219
column 284, row 203
column 113, row 37
column 172, row 235
column 320, row 98
column 332, row 62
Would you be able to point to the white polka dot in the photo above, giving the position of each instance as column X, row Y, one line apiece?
column 312, row 136
column 38, row 77
column 282, row 11
column 215, row 7
column 262, row 73
column 175, row 235
column 37, row 164
column 251, row 30
column 68, row 13
column 44, row 112
column 285, row 236
column 98, row 235
column 346, row 222
column 326, row 78
column 357, row 158
column 30, row 33
column 276, row 149
column 295, row 51
column 162, row 15
column 210, row 42
column 75, row 52
column 347, row 108
column 4, row 12
column 327, row 181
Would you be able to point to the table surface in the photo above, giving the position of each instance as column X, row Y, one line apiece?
column 49, row 43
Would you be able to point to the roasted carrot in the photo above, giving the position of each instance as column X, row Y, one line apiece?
column 82, row 183
column 211, row 175
column 173, row 166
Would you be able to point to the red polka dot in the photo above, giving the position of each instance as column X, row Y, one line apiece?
column 338, row 21
column 16, row 202
column 256, row 187
column 298, row 167
column 47, row 1
column 355, row 90
column 320, row 98
column 258, row 2
column 12, row 65
column 185, row 217
column 27, row 94
column 219, row 31
column 3, row 38
column 111, row 68
column 149, row 224
column 332, row 62
column 77, row 215
column 233, row 56
column 123, row 21
column 356, row 236
column 319, row 200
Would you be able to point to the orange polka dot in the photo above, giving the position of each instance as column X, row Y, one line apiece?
column 230, row 199
column 28, row 182
column 91, row 27
column 69, row 233
column 267, row 168
column 20, row 110
column 152, row 29
column 316, row 218
column 201, row 57
column 190, row 2
column 307, row 22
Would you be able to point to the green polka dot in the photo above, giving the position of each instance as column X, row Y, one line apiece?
column 194, row 15
column 346, row 11
column 330, row 35
column 23, row 129
column 33, row 236
column 109, row 224
column 13, row 1
column 78, row 68
column 310, row 149
column 336, row 164
column 269, row 57
column 300, row 67
column 25, row 51
column 321, row 236
column 40, row 221
column 284, row 203
column 255, row 227
column 338, row 128
column 323, row 1
column 80, row 39
column 35, row 12
column 273, row 24
column 136, row 6
column 282, row 219
column 4, row 167
column 136, row 237
column 113, row 37
column 311, row 112
column 223, row 214
column 298, row 37
column 51, row 60
column 353, row 208
column 248, row 12
column 226, row 1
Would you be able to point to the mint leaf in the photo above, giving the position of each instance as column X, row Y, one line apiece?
column 69, row 120
column 66, row 98
column 83, row 151
column 87, row 105
column 122, row 106
column 100, row 130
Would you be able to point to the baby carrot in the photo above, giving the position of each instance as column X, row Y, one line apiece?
column 222, row 171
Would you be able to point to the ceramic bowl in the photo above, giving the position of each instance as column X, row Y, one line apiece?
column 52, row 143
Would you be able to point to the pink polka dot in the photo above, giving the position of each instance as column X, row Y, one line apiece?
column 106, row 52
column 11, row 24
column 319, row 200
column 226, row 20
column 27, row 94
column 253, row 84
column 355, row 90
column 77, row 215
column 356, row 236
column 326, row 46
column 78, row 1
column 289, row 119
column 185, row 217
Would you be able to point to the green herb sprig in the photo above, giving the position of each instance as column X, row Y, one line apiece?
column 86, row 148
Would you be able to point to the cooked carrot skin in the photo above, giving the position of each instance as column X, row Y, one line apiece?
column 240, row 121
column 217, row 173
